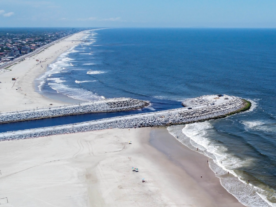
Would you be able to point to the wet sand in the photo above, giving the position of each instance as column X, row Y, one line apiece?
column 95, row 169
column 21, row 94
column 191, row 166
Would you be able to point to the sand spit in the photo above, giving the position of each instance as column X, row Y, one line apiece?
column 107, row 105
column 221, row 108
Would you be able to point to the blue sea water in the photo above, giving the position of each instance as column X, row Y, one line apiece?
column 166, row 66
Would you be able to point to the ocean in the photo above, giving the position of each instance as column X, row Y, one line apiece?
column 167, row 66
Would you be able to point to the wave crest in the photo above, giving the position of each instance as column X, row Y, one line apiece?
column 198, row 135
column 95, row 72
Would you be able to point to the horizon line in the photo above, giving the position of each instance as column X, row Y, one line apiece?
column 76, row 27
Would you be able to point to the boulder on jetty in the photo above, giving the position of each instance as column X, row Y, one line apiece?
column 107, row 105
column 208, row 100
column 203, row 108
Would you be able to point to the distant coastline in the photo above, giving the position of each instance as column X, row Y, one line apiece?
column 226, row 142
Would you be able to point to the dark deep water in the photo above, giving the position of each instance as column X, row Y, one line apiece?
column 165, row 66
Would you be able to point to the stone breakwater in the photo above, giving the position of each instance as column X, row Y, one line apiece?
column 107, row 105
column 161, row 118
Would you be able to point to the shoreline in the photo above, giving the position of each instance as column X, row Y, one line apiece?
column 21, row 94
column 55, row 96
column 95, row 169
column 24, row 91
column 195, row 165
column 247, row 193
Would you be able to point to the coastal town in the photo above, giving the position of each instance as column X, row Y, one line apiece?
column 18, row 42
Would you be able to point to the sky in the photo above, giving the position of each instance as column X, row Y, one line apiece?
column 139, row 13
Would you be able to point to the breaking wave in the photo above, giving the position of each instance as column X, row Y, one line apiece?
column 260, row 125
column 56, row 80
column 86, row 81
column 63, row 62
column 89, row 64
column 198, row 137
column 95, row 72
column 55, row 68
column 75, row 93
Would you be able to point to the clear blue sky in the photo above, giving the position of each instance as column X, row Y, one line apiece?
column 139, row 13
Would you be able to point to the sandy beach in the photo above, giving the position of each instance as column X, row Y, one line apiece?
column 21, row 94
column 95, row 169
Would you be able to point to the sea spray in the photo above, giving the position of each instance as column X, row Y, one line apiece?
column 95, row 72
column 64, row 64
column 85, row 81
column 75, row 93
column 196, row 137
column 265, row 126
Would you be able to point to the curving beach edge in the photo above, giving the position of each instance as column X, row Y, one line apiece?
column 89, row 164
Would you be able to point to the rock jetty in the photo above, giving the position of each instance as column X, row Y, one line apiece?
column 107, row 105
column 198, row 109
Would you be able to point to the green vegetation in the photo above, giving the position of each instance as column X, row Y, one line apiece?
column 247, row 106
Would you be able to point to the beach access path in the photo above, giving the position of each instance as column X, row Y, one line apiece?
column 95, row 169
column 21, row 94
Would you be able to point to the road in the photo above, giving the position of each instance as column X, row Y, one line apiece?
column 38, row 50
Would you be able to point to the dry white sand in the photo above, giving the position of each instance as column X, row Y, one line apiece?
column 20, row 94
column 95, row 169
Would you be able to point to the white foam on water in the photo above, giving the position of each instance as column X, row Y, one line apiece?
column 150, row 107
column 196, row 136
column 89, row 43
column 40, row 85
column 74, row 51
column 57, row 67
column 56, row 80
column 60, row 65
column 172, row 98
column 75, row 93
column 58, row 85
column 86, row 81
column 76, row 69
column 253, row 124
column 246, row 194
column 95, row 72
column 267, row 201
column 89, row 64
column 260, row 125
column 86, row 53
column 89, row 37
column 163, row 97
column 254, row 105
